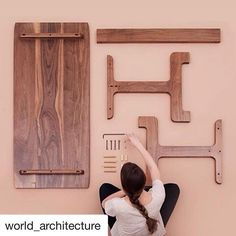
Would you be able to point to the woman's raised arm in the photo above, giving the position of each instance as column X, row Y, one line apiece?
column 149, row 161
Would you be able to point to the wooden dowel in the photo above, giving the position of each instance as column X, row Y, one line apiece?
column 109, row 157
column 118, row 144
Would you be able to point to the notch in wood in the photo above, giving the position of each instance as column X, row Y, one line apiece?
column 150, row 123
column 158, row 35
column 51, row 172
column 173, row 87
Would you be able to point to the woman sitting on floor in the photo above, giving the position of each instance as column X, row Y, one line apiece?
column 136, row 209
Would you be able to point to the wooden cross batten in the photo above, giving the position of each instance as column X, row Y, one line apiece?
column 150, row 123
column 52, row 35
column 52, row 172
column 173, row 87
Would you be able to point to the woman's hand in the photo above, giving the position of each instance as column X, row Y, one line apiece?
column 134, row 140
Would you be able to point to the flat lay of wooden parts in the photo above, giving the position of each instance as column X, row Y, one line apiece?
column 52, row 102
column 173, row 87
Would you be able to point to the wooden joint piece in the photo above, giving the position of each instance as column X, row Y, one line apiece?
column 173, row 87
column 52, row 35
column 51, row 172
column 150, row 123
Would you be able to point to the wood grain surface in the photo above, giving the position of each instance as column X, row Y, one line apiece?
column 158, row 35
column 158, row 151
column 51, row 105
column 173, row 87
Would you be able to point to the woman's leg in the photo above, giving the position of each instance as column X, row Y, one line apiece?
column 172, row 195
column 106, row 190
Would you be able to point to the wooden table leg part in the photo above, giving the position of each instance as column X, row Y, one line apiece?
column 173, row 87
column 157, row 151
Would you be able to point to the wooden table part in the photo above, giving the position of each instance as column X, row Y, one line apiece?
column 51, row 104
column 158, row 35
column 173, row 87
column 150, row 123
column 51, row 172
column 52, row 35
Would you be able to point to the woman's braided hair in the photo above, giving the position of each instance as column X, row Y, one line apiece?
column 133, row 181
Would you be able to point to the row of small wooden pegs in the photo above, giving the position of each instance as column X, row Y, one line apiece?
column 113, row 144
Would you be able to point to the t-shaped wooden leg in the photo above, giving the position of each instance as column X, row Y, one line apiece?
column 150, row 123
column 173, row 87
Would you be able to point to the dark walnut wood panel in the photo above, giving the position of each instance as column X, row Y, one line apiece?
column 158, row 35
column 51, row 105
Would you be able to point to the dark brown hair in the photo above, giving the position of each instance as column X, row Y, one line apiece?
column 133, row 180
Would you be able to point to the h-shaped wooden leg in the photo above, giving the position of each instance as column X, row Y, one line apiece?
column 173, row 87
column 150, row 123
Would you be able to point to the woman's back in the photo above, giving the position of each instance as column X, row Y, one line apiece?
column 130, row 221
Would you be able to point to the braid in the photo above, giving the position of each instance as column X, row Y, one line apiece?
column 133, row 181
column 151, row 223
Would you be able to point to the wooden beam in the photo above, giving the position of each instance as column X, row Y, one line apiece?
column 158, row 35
column 150, row 123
